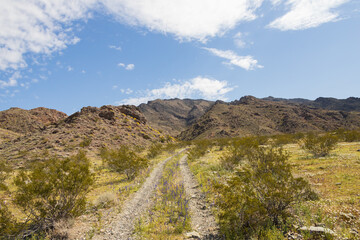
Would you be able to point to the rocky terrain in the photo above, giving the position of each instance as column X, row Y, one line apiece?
column 249, row 116
column 27, row 121
column 90, row 129
column 349, row 104
column 174, row 115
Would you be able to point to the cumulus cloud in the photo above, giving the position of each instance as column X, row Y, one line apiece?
column 128, row 67
column 12, row 82
column 203, row 87
column 246, row 62
column 186, row 19
column 37, row 26
column 305, row 14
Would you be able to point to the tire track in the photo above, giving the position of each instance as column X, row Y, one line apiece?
column 202, row 219
column 122, row 226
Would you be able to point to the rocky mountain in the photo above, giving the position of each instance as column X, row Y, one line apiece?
column 26, row 121
column 174, row 115
column 250, row 115
column 349, row 104
column 89, row 129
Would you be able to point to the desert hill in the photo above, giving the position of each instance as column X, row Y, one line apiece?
column 26, row 121
column 89, row 129
column 249, row 116
column 174, row 115
column 349, row 104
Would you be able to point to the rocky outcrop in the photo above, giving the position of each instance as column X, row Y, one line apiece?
column 27, row 121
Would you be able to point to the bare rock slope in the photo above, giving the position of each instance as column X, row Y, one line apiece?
column 26, row 121
column 174, row 115
column 90, row 129
column 252, row 116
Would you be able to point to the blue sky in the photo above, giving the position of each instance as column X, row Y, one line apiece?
column 69, row 54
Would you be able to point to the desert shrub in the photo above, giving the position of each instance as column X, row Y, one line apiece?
column 124, row 160
column 105, row 200
column 154, row 150
column 3, row 174
column 199, row 149
column 85, row 142
column 7, row 222
column 319, row 145
column 53, row 190
column 258, row 197
column 238, row 150
column 348, row 135
column 170, row 147
column 283, row 139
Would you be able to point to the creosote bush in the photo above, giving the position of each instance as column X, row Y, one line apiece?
column 319, row 145
column 199, row 149
column 238, row 150
column 124, row 160
column 258, row 197
column 154, row 150
column 53, row 190
column 7, row 222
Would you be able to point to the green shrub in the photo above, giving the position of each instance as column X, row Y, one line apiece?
column 7, row 222
column 238, row 150
column 319, row 145
column 3, row 174
column 258, row 197
column 124, row 160
column 53, row 190
column 154, row 150
column 86, row 142
column 199, row 149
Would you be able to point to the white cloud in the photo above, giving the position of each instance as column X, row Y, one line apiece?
column 126, row 91
column 276, row 2
column 186, row 19
column 115, row 47
column 207, row 88
column 246, row 62
column 305, row 14
column 37, row 26
column 128, row 67
column 239, row 40
column 69, row 68
column 12, row 82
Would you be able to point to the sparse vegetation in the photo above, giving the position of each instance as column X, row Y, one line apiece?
column 319, row 145
column 154, row 150
column 260, row 194
column 238, row 150
column 124, row 160
column 53, row 190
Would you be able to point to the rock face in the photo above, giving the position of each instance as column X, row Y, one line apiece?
column 91, row 128
column 27, row 121
column 349, row 104
column 249, row 116
column 174, row 115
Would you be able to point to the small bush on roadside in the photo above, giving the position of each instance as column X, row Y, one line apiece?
column 154, row 150
column 124, row 160
column 238, row 150
column 105, row 200
column 319, row 145
column 53, row 190
column 258, row 197
column 199, row 149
